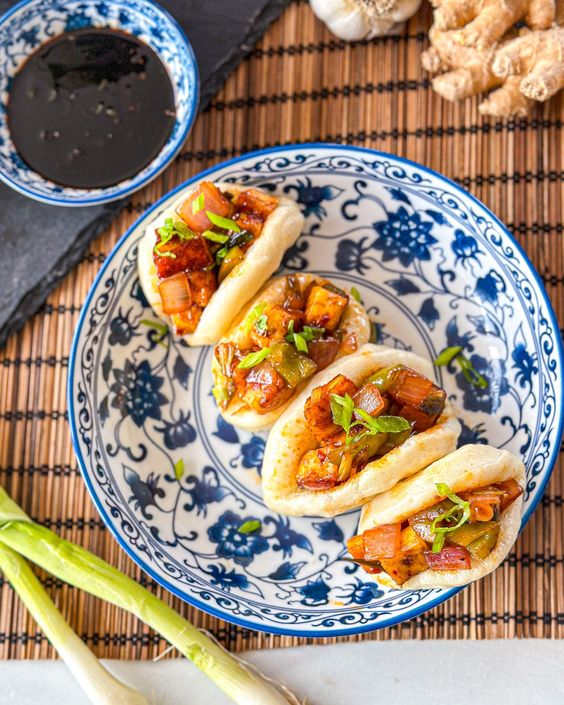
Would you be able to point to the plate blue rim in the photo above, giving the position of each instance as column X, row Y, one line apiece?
column 159, row 168
column 315, row 633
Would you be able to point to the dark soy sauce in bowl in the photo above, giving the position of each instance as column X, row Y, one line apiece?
column 91, row 108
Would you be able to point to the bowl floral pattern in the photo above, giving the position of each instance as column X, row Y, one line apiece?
column 175, row 482
column 32, row 22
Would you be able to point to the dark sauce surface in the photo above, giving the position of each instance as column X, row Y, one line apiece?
column 91, row 108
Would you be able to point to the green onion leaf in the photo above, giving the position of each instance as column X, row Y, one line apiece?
column 179, row 468
column 301, row 339
column 250, row 526
column 383, row 424
column 342, row 410
column 355, row 293
column 253, row 316
column 163, row 254
column 310, row 333
column 253, row 359
column 169, row 230
column 471, row 374
column 447, row 355
column 455, row 517
column 261, row 324
column 198, row 204
column 215, row 237
column 77, row 566
column 224, row 223
column 98, row 684
column 220, row 254
column 175, row 227
column 300, row 342
column 162, row 328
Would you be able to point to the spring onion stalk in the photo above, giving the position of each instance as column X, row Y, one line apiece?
column 77, row 566
column 98, row 684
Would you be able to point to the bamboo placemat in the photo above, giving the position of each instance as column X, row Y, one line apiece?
column 300, row 84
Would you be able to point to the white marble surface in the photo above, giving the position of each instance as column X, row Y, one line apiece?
column 526, row 672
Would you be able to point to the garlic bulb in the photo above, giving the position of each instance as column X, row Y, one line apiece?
column 363, row 19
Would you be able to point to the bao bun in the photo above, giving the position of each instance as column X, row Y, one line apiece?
column 290, row 438
column 470, row 467
column 281, row 229
column 355, row 320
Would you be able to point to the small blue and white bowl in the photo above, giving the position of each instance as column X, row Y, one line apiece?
column 32, row 22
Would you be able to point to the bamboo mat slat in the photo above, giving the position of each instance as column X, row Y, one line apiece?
column 300, row 84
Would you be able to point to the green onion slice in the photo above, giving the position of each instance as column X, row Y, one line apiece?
column 256, row 313
column 224, row 223
column 250, row 526
column 342, row 409
column 253, row 359
column 215, row 237
column 455, row 517
column 355, row 293
column 261, row 324
column 198, row 204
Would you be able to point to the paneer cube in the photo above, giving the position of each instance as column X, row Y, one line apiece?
column 410, row 560
column 264, row 389
column 324, row 307
column 317, row 409
column 316, row 471
column 276, row 323
column 256, row 203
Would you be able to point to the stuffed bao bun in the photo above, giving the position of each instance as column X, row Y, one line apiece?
column 361, row 425
column 205, row 256
column 297, row 326
column 450, row 524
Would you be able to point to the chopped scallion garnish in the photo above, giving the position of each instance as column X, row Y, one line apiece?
column 261, row 324
column 301, row 339
column 224, row 223
column 250, row 526
column 454, row 517
column 471, row 374
column 215, row 237
column 355, row 293
column 198, row 204
column 253, row 358
column 447, row 355
column 253, row 316
column 343, row 410
column 179, row 468
column 166, row 232
column 220, row 254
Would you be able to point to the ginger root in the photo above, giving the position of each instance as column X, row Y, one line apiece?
column 475, row 47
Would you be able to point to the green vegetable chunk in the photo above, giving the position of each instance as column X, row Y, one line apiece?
column 291, row 365
column 384, row 377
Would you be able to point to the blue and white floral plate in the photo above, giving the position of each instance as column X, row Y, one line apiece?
column 174, row 482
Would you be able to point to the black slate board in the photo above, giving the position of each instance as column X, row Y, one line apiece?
column 221, row 32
